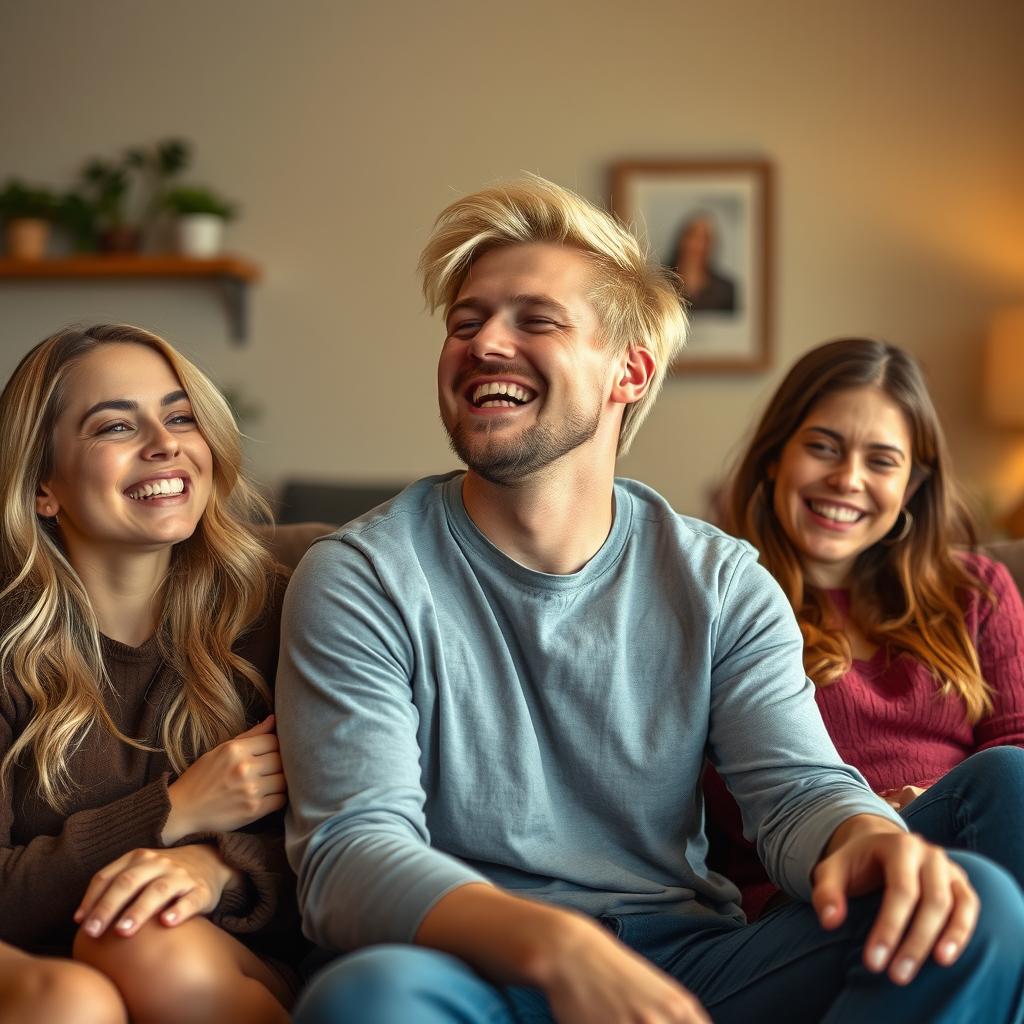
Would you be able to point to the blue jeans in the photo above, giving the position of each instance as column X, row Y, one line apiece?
column 978, row 806
column 783, row 967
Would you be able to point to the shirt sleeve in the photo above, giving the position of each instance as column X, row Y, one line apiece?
column 1000, row 647
column 357, row 832
column 767, row 738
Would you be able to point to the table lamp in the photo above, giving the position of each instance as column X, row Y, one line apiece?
column 1004, row 385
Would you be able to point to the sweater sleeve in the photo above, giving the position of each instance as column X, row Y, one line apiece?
column 42, row 881
column 767, row 739
column 357, row 833
column 1000, row 646
column 269, row 883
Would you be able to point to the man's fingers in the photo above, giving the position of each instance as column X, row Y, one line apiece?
column 182, row 909
column 902, row 889
column 270, row 764
column 829, row 895
column 962, row 920
column 930, row 916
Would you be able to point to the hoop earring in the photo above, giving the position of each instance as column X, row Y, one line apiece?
column 904, row 531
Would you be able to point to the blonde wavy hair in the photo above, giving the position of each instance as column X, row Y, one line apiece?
column 637, row 302
column 218, row 584
column 906, row 591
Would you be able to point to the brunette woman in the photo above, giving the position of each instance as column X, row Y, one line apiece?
column 914, row 641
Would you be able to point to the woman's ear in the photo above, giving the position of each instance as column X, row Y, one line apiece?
column 634, row 375
column 47, row 505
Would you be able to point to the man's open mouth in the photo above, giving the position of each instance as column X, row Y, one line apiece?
column 500, row 394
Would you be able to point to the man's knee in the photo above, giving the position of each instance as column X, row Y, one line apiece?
column 996, row 939
column 385, row 984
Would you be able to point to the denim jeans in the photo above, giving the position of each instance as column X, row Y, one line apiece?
column 783, row 967
column 978, row 806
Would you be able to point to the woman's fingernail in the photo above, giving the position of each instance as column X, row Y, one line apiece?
column 93, row 926
column 170, row 917
column 125, row 924
column 947, row 951
column 877, row 957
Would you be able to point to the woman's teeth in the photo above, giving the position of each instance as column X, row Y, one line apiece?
column 837, row 513
column 157, row 488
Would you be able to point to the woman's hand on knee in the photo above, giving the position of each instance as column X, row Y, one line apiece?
column 171, row 884
column 235, row 783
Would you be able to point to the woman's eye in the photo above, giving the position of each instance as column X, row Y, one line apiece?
column 538, row 321
column 114, row 428
column 820, row 448
column 182, row 419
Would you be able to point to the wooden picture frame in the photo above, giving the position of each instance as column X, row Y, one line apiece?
column 710, row 221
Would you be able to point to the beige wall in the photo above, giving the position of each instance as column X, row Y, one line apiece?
column 342, row 128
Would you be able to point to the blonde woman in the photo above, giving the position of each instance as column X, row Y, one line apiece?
column 140, row 877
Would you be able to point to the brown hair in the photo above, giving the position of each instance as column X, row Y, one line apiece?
column 905, row 590
column 218, row 584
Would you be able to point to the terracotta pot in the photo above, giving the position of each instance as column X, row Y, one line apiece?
column 120, row 239
column 27, row 238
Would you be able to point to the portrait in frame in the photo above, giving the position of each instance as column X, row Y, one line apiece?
column 710, row 222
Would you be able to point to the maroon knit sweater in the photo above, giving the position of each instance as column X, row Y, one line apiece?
column 886, row 717
column 47, row 859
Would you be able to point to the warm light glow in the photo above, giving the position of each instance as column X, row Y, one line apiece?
column 1004, row 369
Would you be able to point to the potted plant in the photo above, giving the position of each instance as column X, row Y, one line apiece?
column 200, row 215
column 27, row 212
column 122, row 195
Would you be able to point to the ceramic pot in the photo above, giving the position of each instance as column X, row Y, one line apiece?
column 200, row 235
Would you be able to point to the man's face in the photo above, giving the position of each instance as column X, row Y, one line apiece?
column 523, row 380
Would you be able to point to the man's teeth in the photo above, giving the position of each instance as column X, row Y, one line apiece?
column 500, row 393
column 836, row 512
column 158, row 488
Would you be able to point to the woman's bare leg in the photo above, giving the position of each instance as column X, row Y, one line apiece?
column 188, row 974
column 36, row 988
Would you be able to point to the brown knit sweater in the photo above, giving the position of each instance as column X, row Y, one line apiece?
column 47, row 859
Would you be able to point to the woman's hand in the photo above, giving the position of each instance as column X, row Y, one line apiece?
column 897, row 799
column 237, row 782
column 176, row 884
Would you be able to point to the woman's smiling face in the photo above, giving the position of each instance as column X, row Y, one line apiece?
column 131, row 470
column 842, row 480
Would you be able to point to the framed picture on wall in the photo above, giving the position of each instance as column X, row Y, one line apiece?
column 710, row 222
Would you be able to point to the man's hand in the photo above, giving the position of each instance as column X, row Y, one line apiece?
column 588, row 976
column 598, row 980
column 928, row 904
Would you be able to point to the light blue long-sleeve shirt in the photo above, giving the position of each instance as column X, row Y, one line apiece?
column 449, row 716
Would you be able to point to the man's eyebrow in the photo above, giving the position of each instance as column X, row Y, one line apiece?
column 129, row 404
column 874, row 446
column 525, row 299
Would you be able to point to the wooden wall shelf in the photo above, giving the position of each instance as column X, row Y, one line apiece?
column 232, row 273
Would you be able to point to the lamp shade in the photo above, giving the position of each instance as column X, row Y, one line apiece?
column 1004, row 369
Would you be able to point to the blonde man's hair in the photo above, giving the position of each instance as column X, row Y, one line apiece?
column 218, row 584
column 637, row 302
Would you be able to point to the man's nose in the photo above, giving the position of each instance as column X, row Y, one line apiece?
column 494, row 340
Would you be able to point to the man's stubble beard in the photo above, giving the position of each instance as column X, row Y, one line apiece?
column 507, row 461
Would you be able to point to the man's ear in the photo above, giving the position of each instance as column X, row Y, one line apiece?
column 634, row 374
column 47, row 505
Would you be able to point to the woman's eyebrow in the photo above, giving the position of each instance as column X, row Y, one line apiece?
column 129, row 404
column 873, row 445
